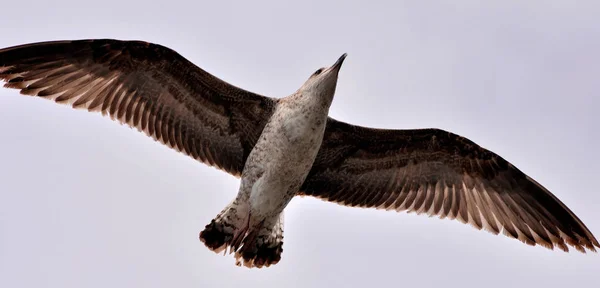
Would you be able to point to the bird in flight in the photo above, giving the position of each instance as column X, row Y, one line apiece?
column 286, row 147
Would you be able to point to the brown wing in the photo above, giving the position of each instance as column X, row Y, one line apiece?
column 147, row 86
column 439, row 173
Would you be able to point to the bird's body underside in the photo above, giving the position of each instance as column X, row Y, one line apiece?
column 285, row 147
column 272, row 176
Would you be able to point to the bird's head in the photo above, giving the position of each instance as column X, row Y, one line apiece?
column 322, row 82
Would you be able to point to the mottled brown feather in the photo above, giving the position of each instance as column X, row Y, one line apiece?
column 146, row 86
column 440, row 173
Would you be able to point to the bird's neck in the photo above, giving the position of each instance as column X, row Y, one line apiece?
column 316, row 99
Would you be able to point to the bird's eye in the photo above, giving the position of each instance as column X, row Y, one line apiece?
column 318, row 71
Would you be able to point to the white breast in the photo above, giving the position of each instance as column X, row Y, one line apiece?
column 296, row 127
column 284, row 154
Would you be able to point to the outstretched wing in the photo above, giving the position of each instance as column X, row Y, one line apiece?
column 439, row 173
column 146, row 86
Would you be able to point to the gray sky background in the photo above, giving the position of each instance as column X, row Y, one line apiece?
column 85, row 202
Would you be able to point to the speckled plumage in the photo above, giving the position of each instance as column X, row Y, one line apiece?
column 285, row 147
column 276, row 168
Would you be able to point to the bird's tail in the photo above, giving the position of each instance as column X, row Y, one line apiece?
column 220, row 232
column 254, row 246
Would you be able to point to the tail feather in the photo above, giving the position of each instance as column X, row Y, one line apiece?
column 259, row 246
column 262, row 246
column 222, row 230
column 217, row 236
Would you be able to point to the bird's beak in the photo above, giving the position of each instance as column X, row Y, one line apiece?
column 338, row 64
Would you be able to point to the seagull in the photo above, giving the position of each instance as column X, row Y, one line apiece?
column 286, row 147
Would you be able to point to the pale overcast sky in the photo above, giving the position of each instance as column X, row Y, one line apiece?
column 85, row 202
